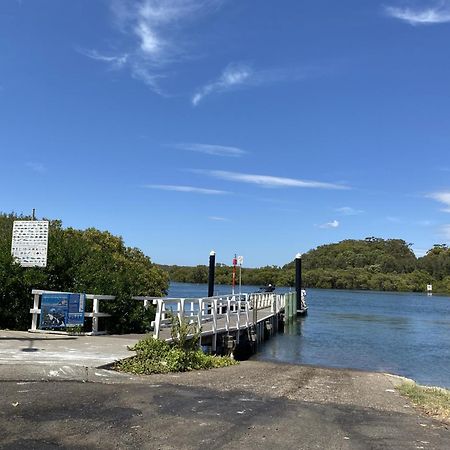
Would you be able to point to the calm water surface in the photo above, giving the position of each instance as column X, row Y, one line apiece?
column 402, row 333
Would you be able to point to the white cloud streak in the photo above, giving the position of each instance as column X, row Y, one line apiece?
column 440, row 13
column 238, row 75
column 442, row 197
column 349, row 211
column 233, row 76
column 271, row 181
column 425, row 223
column 212, row 149
column 117, row 61
column 393, row 219
column 186, row 189
column 332, row 224
column 218, row 219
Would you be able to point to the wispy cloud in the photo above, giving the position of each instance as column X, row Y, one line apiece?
column 218, row 219
column 442, row 197
column 189, row 189
column 233, row 76
column 212, row 149
column 155, row 38
column 238, row 75
column 393, row 219
column 271, row 181
column 116, row 61
column 349, row 211
column 439, row 13
column 36, row 167
column 425, row 223
column 332, row 224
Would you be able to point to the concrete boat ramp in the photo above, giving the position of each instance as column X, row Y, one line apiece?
column 30, row 356
column 255, row 405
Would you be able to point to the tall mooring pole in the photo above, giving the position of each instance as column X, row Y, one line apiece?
column 212, row 268
column 298, row 281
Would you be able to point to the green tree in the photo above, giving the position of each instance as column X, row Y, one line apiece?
column 90, row 261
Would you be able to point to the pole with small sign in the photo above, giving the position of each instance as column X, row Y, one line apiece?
column 240, row 261
column 234, row 273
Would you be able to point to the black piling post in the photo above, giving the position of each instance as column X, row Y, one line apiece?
column 298, row 281
column 212, row 268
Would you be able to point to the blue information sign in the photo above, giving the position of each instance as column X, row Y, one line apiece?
column 62, row 310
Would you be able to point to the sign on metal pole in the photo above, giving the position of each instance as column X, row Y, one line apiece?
column 30, row 242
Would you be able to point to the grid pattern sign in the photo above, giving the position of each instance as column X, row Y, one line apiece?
column 30, row 242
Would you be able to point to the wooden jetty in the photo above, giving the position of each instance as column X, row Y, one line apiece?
column 227, row 322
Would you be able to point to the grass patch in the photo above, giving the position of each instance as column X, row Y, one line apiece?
column 181, row 355
column 433, row 401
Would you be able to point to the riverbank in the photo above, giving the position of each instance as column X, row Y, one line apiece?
column 253, row 405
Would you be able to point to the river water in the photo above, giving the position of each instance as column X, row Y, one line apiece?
column 406, row 334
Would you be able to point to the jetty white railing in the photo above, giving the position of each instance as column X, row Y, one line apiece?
column 212, row 314
column 95, row 314
column 234, row 309
column 262, row 300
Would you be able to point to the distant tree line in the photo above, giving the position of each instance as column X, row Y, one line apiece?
column 89, row 261
column 368, row 264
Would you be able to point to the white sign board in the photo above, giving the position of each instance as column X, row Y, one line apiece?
column 240, row 260
column 30, row 242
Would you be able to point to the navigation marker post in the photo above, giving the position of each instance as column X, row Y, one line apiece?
column 298, row 282
column 234, row 273
column 212, row 267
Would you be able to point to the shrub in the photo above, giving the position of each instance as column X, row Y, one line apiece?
column 182, row 354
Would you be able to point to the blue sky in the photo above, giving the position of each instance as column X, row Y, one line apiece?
column 258, row 128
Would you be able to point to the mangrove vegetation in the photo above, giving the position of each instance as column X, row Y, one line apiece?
column 90, row 261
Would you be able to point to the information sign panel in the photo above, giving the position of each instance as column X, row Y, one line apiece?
column 30, row 242
column 62, row 310
column 75, row 310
